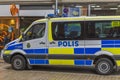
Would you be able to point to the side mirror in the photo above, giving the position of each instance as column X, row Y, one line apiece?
column 23, row 36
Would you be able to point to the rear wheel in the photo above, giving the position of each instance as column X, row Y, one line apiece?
column 104, row 66
column 18, row 62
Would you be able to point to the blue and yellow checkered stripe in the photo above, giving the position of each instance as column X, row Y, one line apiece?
column 72, row 51
column 65, row 51
column 112, row 46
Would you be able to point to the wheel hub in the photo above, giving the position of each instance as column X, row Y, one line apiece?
column 103, row 67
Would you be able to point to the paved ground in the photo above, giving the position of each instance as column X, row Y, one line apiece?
column 53, row 73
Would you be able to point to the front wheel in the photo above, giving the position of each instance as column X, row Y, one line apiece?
column 18, row 62
column 104, row 66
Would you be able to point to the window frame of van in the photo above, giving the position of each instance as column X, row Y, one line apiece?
column 94, row 21
column 32, row 26
column 81, row 25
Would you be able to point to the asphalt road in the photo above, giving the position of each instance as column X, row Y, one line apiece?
column 53, row 73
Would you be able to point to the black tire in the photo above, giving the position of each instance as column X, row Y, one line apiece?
column 29, row 67
column 18, row 62
column 104, row 66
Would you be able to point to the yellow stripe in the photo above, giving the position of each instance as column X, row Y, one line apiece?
column 86, row 18
column 7, row 52
column 68, row 19
column 114, row 51
column 41, row 20
column 20, row 37
column 50, row 32
column 61, row 62
column 118, row 62
column 61, row 50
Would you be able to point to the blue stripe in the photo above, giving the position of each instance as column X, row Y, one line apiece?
column 108, row 46
column 32, row 61
column 41, row 51
column 108, row 41
column 46, row 61
column 89, row 62
column 79, row 62
column 117, row 41
column 92, row 50
column 16, row 46
column 40, row 61
column 79, row 50
column 117, row 45
column 36, row 51
column 28, row 51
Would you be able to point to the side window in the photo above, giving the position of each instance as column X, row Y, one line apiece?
column 36, row 31
column 66, row 30
column 103, row 30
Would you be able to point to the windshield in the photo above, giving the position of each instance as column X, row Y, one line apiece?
column 35, row 31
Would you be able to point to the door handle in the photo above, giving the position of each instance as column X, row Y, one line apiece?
column 52, row 42
column 42, row 42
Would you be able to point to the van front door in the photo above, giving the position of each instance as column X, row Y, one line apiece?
column 35, row 44
column 66, row 44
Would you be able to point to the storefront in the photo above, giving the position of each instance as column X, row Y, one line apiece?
column 90, row 8
column 16, row 18
column 9, row 24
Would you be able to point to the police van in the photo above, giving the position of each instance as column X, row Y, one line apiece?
column 71, row 41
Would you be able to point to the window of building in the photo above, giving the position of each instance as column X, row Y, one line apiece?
column 103, row 30
column 36, row 31
column 66, row 30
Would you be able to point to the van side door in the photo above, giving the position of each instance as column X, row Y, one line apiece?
column 35, row 44
column 96, row 32
column 67, row 44
column 102, row 36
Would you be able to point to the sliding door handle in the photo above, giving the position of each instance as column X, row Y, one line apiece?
column 42, row 42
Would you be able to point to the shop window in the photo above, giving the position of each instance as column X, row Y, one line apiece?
column 9, row 30
column 66, row 30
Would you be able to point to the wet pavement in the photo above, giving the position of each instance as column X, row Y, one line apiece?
column 53, row 73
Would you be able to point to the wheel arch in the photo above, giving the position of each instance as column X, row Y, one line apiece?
column 104, row 54
column 18, row 52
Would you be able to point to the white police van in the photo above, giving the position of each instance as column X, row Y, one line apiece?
column 80, row 41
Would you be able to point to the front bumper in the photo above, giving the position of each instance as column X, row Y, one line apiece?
column 7, row 58
column 5, row 54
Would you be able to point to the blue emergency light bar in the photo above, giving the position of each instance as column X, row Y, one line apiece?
column 51, row 15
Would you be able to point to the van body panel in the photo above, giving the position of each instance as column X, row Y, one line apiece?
column 48, row 50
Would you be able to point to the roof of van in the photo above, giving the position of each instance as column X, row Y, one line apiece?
column 80, row 18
